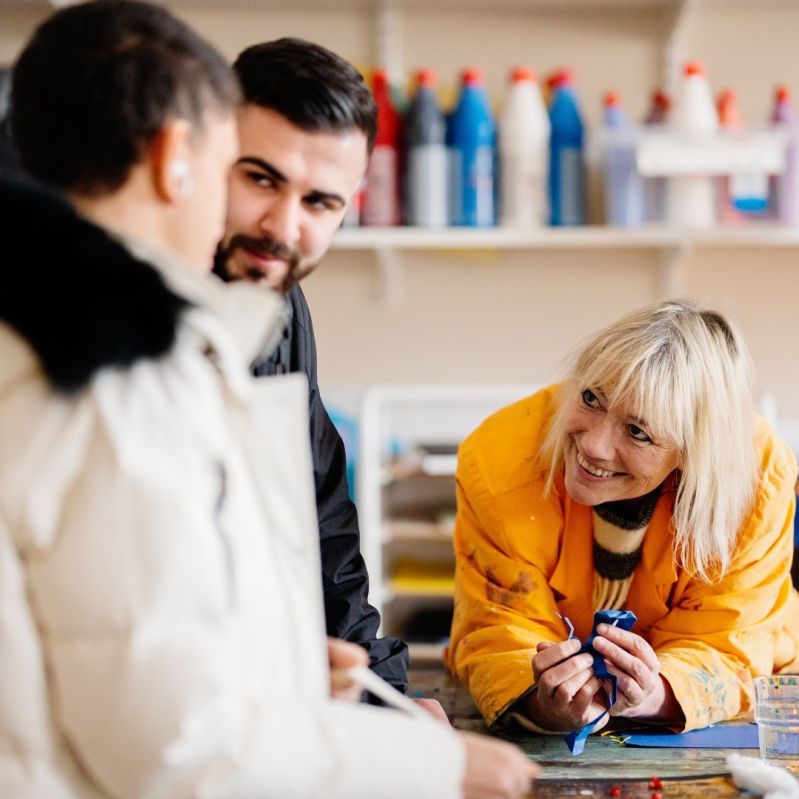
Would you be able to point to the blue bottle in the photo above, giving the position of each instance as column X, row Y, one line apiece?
column 471, row 136
column 567, row 158
column 624, row 189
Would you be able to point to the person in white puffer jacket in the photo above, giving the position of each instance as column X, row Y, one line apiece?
column 161, row 630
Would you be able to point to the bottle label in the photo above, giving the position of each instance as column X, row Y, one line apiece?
column 381, row 201
column 524, row 195
column 749, row 191
column 572, row 187
column 472, row 186
column 427, row 185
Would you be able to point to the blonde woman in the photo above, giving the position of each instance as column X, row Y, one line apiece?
column 643, row 482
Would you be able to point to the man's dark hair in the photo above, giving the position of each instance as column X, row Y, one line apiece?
column 99, row 80
column 9, row 158
column 312, row 87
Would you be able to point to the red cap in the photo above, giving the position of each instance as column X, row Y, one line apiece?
column 661, row 100
column 563, row 77
column 426, row 77
column 611, row 100
column 554, row 78
column 694, row 68
column 520, row 74
column 473, row 76
column 727, row 105
column 782, row 94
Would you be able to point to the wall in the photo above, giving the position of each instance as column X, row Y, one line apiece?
column 513, row 316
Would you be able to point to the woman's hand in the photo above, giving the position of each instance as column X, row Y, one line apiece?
column 642, row 692
column 568, row 695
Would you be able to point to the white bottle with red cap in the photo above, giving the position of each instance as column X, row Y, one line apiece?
column 524, row 153
column 691, row 199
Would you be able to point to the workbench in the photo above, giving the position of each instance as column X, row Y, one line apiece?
column 605, row 763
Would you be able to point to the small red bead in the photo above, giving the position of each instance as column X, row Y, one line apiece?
column 615, row 791
column 657, row 795
column 655, row 783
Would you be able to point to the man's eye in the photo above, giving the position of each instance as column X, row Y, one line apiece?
column 259, row 179
column 590, row 399
column 638, row 434
column 320, row 204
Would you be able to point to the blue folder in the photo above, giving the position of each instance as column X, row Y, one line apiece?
column 721, row 736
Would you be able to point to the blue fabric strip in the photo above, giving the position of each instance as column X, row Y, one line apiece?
column 615, row 618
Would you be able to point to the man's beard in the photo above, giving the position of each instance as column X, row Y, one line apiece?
column 267, row 247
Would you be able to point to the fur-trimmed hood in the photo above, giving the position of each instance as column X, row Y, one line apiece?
column 76, row 295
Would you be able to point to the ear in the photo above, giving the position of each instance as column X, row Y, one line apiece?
column 169, row 161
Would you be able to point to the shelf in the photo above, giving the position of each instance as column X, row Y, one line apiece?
column 425, row 653
column 589, row 237
column 443, row 594
column 672, row 244
column 405, row 531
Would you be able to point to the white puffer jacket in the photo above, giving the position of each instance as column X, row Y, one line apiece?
column 161, row 630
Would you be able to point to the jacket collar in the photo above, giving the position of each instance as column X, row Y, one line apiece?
column 573, row 571
column 84, row 301
column 254, row 318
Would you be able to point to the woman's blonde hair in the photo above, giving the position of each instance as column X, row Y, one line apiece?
column 687, row 372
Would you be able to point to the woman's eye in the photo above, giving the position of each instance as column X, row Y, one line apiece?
column 590, row 399
column 638, row 434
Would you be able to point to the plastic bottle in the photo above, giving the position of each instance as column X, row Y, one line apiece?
column 352, row 217
column 785, row 187
column 691, row 199
column 730, row 123
column 381, row 197
column 738, row 193
column 655, row 187
column 624, row 195
column 426, row 170
column 550, row 85
column 471, row 135
column 524, row 153
column 567, row 182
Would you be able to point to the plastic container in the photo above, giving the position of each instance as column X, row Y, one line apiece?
column 426, row 164
column 742, row 195
column 524, row 153
column 471, row 136
column 730, row 122
column 352, row 217
column 777, row 717
column 381, row 194
column 624, row 187
column 655, row 187
column 691, row 199
column 784, row 192
column 567, row 179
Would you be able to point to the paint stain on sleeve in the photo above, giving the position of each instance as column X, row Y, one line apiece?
column 516, row 595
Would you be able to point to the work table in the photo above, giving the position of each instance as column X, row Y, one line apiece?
column 605, row 763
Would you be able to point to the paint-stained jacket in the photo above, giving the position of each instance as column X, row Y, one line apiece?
column 523, row 558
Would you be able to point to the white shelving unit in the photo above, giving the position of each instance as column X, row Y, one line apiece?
column 406, row 496
column 673, row 244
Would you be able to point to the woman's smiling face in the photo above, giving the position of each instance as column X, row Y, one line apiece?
column 609, row 454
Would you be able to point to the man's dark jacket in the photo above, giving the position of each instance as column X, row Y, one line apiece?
column 345, row 581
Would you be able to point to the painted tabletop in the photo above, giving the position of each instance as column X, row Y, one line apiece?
column 605, row 763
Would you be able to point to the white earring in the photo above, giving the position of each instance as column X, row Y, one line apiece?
column 181, row 171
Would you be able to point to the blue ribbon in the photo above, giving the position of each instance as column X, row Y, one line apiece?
column 615, row 618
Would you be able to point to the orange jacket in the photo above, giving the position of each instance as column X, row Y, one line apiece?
column 523, row 558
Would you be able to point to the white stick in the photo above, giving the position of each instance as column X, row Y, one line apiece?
column 376, row 685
